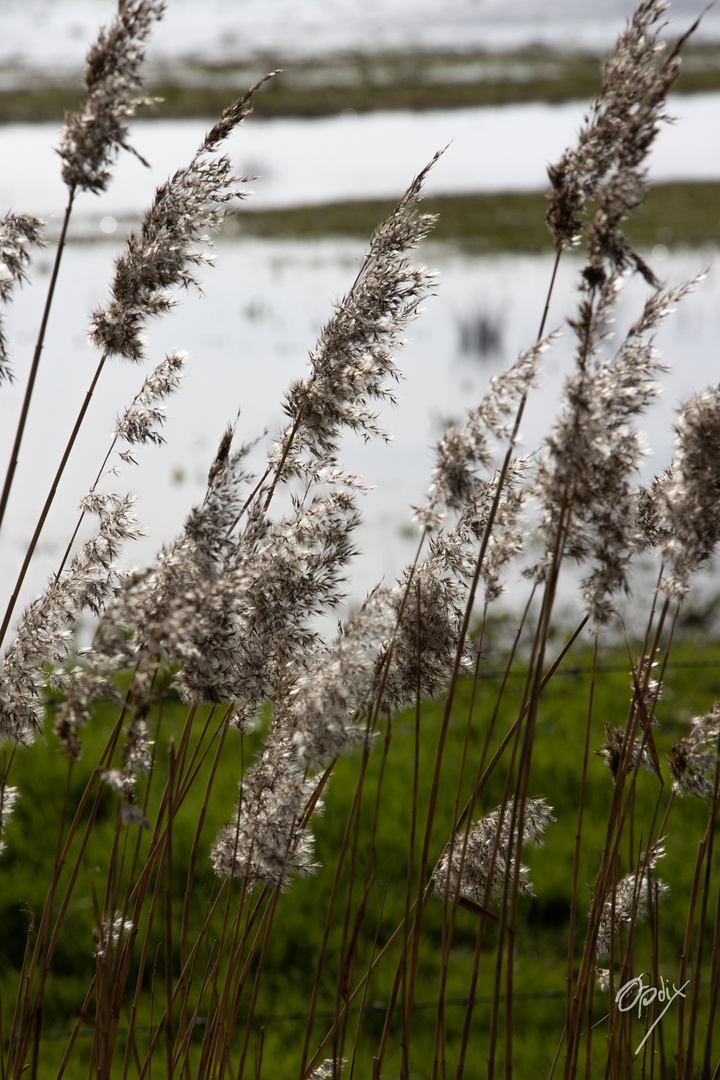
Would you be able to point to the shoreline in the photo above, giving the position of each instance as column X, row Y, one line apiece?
column 354, row 81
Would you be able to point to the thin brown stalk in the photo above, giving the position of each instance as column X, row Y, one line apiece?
column 22, row 420
column 49, row 500
column 169, row 916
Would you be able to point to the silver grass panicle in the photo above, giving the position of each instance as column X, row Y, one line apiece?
column 353, row 359
column 110, row 934
column 265, row 841
column 652, row 528
column 136, row 758
column 613, row 747
column 489, row 838
column 607, row 163
column 430, row 598
column 93, row 136
column 429, row 602
column 164, row 254
column 8, row 798
column 328, row 1070
column 694, row 759
column 44, row 633
column 142, row 420
column 690, row 497
column 253, row 635
column 594, row 452
column 505, row 540
column 323, row 717
column 81, row 686
column 462, row 450
column 320, row 719
column 18, row 233
column 629, row 900
column 161, row 603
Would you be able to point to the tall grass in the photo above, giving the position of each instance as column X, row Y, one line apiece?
column 225, row 622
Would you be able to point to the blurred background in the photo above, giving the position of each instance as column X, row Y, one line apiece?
column 370, row 90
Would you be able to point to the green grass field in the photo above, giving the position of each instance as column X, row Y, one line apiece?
column 692, row 684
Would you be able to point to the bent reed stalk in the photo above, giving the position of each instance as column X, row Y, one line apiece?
column 209, row 679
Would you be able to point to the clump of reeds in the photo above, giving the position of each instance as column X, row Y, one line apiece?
column 226, row 619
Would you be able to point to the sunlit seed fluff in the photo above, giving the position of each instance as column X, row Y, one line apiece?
column 142, row 420
column 8, row 798
column 352, row 361
column 694, row 759
column 164, row 255
column 628, row 902
column 137, row 752
column 253, row 633
column 690, row 497
column 479, row 867
column 92, row 136
column 464, row 449
column 613, row 747
column 589, row 473
column 44, row 633
column 652, row 527
column 327, row 713
column 331, row 1069
column 18, row 233
column 111, row 933
column 265, row 841
column 607, row 163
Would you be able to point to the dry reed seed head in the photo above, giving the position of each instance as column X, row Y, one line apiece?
column 461, row 451
column 652, row 528
column 93, row 136
column 613, row 747
column 44, row 633
column 489, row 854
column 331, row 1069
column 324, row 717
column 137, row 752
column 18, row 232
column 429, row 605
column 82, row 685
column 608, row 249
column 110, row 934
column 694, row 759
column 142, row 420
column 164, row 255
column 252, row 633
column 588, row 475
column 690, row 497
column 615, row 138
column 124, row 781
column 505, row 539
column 161, row 604
column 430, row 598
column 646, row 689
column 628, row 902
column 265, row 841
column 353, row 360
column 8, row 798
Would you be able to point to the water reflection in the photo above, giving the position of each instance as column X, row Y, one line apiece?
column 248, row 337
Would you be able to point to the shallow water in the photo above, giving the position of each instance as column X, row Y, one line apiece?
column 248, row 337
column 375, row 155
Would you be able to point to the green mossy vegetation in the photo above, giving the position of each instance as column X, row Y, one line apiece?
column 674, row 215
column 364, row 83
